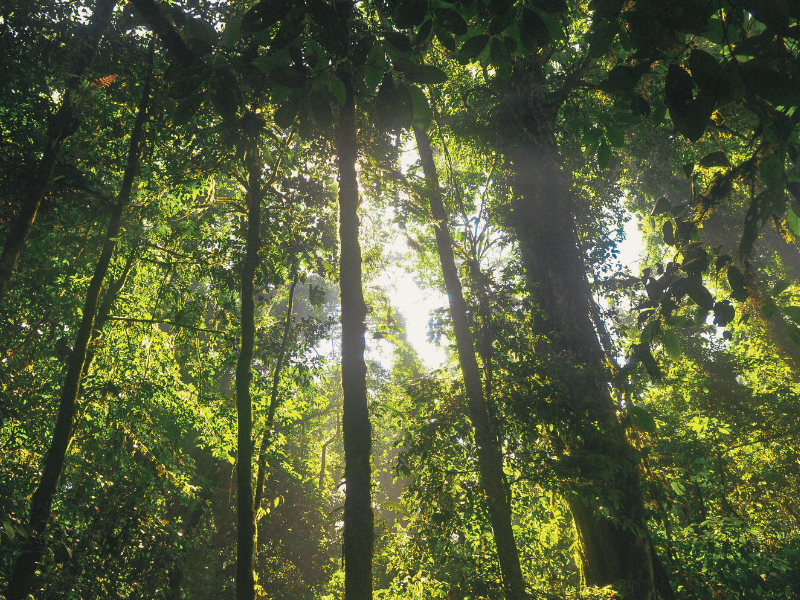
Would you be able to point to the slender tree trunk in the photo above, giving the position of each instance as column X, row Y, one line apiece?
column 61, row 127
column 323, row 458
column 245, row 517
column 266, row 438
column 358, row 516
column 273, row 401
column 490, row 458
column 21, row 578
column 543, row 218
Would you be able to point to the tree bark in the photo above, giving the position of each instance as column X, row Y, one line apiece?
column 543, row 220
column 266, row 438
column 20, row 583
column 245, row 517
column 490, row 458
column 61, row 126
column 358, row 515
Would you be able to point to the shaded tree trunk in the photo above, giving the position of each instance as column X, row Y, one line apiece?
column 20, row 583
column 358, row 516
column 266, row 438
column 543, row 220
column 61, row 126
column 245, row 517
column 490, row 458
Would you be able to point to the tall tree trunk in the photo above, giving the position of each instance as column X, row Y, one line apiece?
column 490, row 458
column 543, row 219
column 358, row 516
column 266, row 438
column 61, row 126
column 245, row 517
column 31, row 553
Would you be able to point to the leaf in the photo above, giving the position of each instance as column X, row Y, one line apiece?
column 452, row 21
column 446, row 39
column 399, row 41
column 706, row 71
column 424, row 32
column 263, row 15
column 615, row 136
column 284, row 117
column 233, row 31
column 373, row 76
column 724, row 313
column 780, row 286
column 668, row 233
column 286, row 77
column 715, row 159
column 642, row 419
column 672, row 344
column 640, row 107
column 472, row 48
column 9, row 528
column 337, row 88
column 551, row 6
column 678, row 90
column 699, row 294
column 501, row 22
column 421, row 108
column 603, row 155
column 591, row 140
column 793, row 312
column 225, row 93
column 736, row 281
column 426, row 75
column 533, row 25
column 793, row 218
column 663, row 206
column 186, row 109
column 677, row 487
column 411, row 13
column 501, row 59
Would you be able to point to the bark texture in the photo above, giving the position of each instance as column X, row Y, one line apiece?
column 19, row 585
column 266, row 438
column 490, row 458
column 543, row 220
column 245, row 516
column 358, row 515
column 61, row 127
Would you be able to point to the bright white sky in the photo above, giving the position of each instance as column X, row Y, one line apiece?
column 416, row 304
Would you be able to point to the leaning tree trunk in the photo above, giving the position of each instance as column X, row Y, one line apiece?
column 61, row 126
column 611, row 552
column 358, row 516
column 20, row 583
column 490, row 458
column 245, row 516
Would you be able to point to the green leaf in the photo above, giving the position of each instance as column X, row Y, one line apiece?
column 9, row 528
column 551, row 6
column 373, row 76
column 337, row 88
column 452, row 21
column 780, row 286
column 426, row 75
column 677, row 487
column 286, row 77
column 591, row 140
column 699, row 294
column 399, row 41
column 672, row 344
column 233, row 31
column 706, row 71
column 615, row 136
column 793, row 312
column 447, row 40
column 642, row 419
column 793, row 218
column 472, row 48
column 501, row 58
column 501, row 22
column 715, row 159
column 186, row 109
column 662, row 207
column 668, row 233
column 421, row 108
column 263, row 15
column 284, row 117
column 411, row 13
column 533, row 25
column 736, row 281
column 603, row 155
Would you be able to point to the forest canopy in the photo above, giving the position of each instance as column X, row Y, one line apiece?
column 207, row 388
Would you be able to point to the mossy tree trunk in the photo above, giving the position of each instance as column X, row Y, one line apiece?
column 490, row 458
column 358, row 515
column 19, row 585
column 62, row 125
